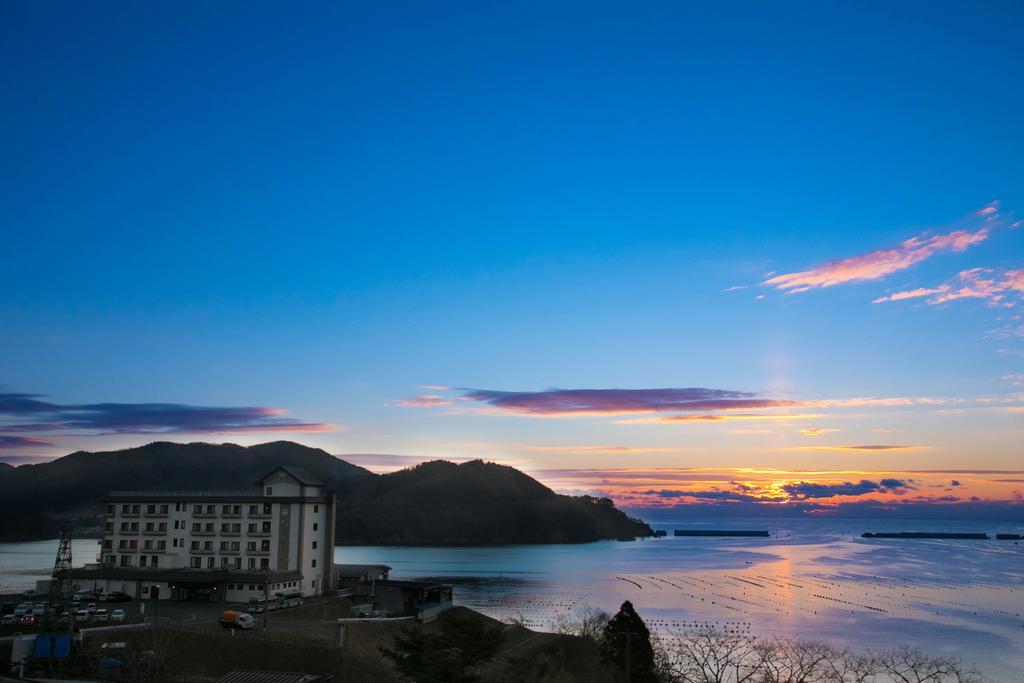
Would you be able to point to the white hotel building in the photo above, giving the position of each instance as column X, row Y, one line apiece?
column 218, row 545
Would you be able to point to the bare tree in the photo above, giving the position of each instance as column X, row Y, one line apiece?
column 908, row 665
column 585, row 622
column 710, row 657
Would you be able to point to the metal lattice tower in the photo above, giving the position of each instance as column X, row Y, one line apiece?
column 60, row 588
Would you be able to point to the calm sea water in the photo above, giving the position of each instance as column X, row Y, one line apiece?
column 812, row 579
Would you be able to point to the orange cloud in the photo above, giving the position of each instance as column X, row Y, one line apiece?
column 726, row 417
column 869, row 448
column 816, row 431
column 989, row 284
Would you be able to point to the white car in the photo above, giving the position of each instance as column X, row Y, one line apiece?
column 91, row 607
column 82, row 615
column 22, row 609
column 101, row 614
column 8, row 619
column 117, row 615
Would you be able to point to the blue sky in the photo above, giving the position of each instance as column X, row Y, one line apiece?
column 322, row 209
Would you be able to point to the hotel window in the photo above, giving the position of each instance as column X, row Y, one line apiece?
column 196, row 527
column 163, row 526
column 225, row 509
column 236, row 528
column 314, row 584
column 135, row 509
column 126, row 561
column 253, row 509
column 148, row 545
column 314, row 545
column 224, row 561
column 238, row 563
column 315, row 526
column 110, row 509
column 197, row 509
column 124, row 527
column 266, row 508
column 195, row 545
column 250, row 546
column 152, row 560
column 266, row 527
column 163, row 509
column 196, row 563
column 211, row 509
column 209, row 528
column 122, row 544
column 133, row 544
column 224, row 545
column 211, row 562
column 111, row 559
column 314, row 563
column 208, row 545
column 225, row 528
column 252, row 563
column 142, row 561
column 125, row 509
column 252, row 528
column 236, row 509
column 150, row 509
column 270, row 490
column 149, row 526
column 161, row 545
column 135, row 526
column 235, row 546
column 265, row 546
column 264, row 563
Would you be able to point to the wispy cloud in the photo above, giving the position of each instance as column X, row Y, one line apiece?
column 880, row 263
column 724, row 417
column 10, row 442
column 817, row 431
column 29, row 414
column 994, row 287
column 868, row 448
column 424, row 401
column 560, row 402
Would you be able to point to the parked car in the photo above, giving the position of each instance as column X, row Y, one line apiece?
column 117, row 596
column 22, row 609
column 91, row 608
column 38, row 610
column 82, row 615
column 28, row 620
column 101, row 614
column 8, row 619
column 117, row 615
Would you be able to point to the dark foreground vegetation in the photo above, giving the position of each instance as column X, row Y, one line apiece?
column 463, row 646
column 436, row 503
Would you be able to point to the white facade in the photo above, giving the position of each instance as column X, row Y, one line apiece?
column 283, row 530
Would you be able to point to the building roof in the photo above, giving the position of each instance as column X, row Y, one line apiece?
column 297, row 473
column 359, row 569
column 273, row 677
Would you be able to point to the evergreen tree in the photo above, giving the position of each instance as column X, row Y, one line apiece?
column 626, row 642
column 460, row 644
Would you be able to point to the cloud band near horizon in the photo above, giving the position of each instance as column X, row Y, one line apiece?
column 27, row 414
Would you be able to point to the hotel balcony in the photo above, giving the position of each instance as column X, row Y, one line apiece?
column 154, row 532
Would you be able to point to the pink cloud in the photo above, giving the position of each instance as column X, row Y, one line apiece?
column 878, row 264
column 424, row 401
column 988, row 284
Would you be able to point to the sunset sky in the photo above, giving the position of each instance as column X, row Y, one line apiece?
column 678, row 254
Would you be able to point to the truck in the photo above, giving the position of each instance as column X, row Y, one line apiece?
column 234, row 619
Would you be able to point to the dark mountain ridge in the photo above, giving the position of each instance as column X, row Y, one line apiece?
column 434, row 503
